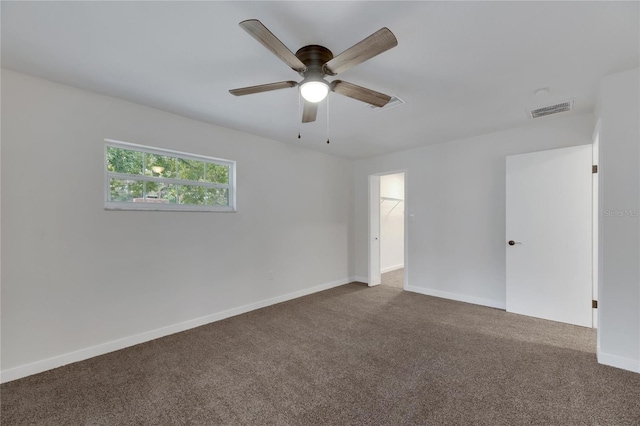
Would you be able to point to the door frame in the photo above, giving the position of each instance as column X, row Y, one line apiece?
column 596, row 238
column 373, row 181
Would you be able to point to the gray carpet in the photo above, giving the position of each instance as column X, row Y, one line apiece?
column 351, row 355
column 394, row 278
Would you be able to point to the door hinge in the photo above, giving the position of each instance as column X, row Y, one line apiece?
column 594, row 168
column 594, row 304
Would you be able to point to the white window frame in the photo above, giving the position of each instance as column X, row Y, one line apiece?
column 119, row 205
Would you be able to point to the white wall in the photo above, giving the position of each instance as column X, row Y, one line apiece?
column 392, row 222
column 619, row 283
column 78, row 278
column 456, row 202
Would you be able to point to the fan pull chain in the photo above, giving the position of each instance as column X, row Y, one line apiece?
column 327, row 119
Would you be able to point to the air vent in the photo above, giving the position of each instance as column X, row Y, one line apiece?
column 551, row 109
column 394, row 102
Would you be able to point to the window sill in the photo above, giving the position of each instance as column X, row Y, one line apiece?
column 160, row 207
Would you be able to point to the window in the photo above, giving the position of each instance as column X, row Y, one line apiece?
column 145, row 178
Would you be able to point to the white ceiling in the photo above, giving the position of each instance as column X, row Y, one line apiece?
column 463, row 68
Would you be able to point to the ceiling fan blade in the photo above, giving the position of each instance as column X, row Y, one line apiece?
column 360, row 93
column 309, row 112
column 262, row 88
column 271, row 42
column 378, row 42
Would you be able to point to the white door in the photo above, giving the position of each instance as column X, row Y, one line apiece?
column 375, row 277
column 548, row 234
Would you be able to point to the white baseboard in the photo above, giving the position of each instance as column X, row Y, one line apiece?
column 103, row 348
column 618, row 361
column 361, row 279
column 459, row 297
column 391, row 268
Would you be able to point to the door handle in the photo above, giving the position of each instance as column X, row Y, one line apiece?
column 513, row 243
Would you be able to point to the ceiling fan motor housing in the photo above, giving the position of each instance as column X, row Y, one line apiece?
column 314, row 57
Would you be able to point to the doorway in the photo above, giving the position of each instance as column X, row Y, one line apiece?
column 387, row 229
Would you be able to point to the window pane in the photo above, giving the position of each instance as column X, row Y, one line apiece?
column 161, row 166
column 217, row 196
column 198, row 195
column 190, row 169
column 125, row 190
column 124, row 161
column 190, row 194
column 158, row 192
column 217, row 173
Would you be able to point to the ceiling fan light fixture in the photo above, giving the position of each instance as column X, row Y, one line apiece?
column 314, row 90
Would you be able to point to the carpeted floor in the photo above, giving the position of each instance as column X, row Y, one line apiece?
column 394, row 278
column 351, row 355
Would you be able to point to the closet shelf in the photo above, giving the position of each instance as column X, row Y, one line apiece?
column 397, row 200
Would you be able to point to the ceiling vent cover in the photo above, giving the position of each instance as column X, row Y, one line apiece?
column 551, row 109
column 394, row 102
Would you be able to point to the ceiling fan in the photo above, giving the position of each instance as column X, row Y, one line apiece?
column 314, row 62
